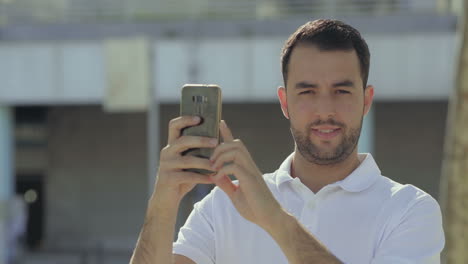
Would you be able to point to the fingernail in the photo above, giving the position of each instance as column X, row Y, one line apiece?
column 214, row 141
column 196, row 118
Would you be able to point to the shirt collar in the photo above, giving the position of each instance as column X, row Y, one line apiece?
column 359, row 180
column 363, row 176
column 284, row 172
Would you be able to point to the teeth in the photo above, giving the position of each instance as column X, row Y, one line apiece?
column 327, row 131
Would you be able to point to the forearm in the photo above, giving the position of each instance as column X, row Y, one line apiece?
column 154, row 243
column 297, row 243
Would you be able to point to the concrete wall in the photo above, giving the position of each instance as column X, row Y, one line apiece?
column 96, row 180
column 409, row 139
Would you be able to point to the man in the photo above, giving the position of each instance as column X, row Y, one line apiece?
column 325, row 204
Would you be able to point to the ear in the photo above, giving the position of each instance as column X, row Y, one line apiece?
column 368, row 98
column 283, row 101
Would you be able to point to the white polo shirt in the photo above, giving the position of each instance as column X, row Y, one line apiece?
column 365, row 218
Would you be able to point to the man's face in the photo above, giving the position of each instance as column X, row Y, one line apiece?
column 325, row 103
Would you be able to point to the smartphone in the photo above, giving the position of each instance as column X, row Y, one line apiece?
column 203, row 100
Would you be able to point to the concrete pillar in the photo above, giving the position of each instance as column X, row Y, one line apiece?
column 366, row 141
column 6, row 175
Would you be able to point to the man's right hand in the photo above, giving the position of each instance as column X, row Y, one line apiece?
column 173, row 181
column 154, row 244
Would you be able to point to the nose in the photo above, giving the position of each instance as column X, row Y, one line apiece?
column 325, row 107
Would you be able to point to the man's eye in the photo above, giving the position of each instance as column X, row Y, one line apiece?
column 343, row 92
column 306, row 92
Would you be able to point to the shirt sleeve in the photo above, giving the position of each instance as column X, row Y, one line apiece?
column 196, row 238
column 417, row 236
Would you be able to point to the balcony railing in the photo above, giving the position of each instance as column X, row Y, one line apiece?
column 82, row 11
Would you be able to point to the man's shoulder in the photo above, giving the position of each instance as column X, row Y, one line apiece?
column 404, row 197
column 402, row 191
column 408, row 213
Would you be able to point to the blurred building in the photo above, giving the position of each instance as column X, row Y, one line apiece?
column 77, row 78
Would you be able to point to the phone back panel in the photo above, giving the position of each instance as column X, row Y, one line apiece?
column 204, row 101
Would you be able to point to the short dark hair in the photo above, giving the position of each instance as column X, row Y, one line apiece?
column 328, row 35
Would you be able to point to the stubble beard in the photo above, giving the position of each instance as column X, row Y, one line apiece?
column 312, row 153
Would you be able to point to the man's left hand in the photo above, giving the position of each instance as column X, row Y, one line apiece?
column 251, row 196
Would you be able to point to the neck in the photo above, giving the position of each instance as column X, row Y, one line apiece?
column 315, row 176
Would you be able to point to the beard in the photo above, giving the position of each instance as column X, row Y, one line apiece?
column 312, row 153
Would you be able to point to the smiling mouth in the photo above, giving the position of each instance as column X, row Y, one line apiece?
column 326, row 133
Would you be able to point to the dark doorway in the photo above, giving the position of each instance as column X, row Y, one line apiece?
column 30, row 187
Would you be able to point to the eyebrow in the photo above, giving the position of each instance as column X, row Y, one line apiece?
column 346, row 83
column 305, row 85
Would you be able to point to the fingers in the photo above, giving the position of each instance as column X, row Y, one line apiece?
column 233, row 159
column 231, row 169
column 188, row 142
column 177, row 124
column 189, row 162
column 225, row 154
column 225, row 132
column 189, row 177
